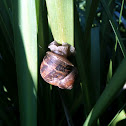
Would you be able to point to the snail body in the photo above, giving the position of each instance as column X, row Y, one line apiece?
column 57, row 70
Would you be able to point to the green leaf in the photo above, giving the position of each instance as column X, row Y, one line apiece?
column 114, row 86
column 60, row 16
column 83, row 48
column 109, row 75
column 118, row 37
column 25, row 40
column 119, row 116
column 95, row 65
column 121, row 11
column 43, row 30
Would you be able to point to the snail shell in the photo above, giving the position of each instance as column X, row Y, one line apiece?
column 58, row 70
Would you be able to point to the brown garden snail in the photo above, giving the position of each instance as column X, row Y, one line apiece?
column 56, row 69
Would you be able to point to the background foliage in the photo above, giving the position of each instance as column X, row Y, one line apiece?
column 97, row 29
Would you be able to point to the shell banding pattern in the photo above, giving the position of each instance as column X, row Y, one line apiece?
column 55, row 68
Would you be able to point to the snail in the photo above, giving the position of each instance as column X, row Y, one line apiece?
column 56, row 69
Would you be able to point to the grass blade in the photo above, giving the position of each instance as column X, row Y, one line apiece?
column 122, row 47
column 95, row 65
column 79, row 55
column 115, row 84
column 119, row 116
column 83, row 52
column 60, row 15
column 25, row 40
column 121, row 11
